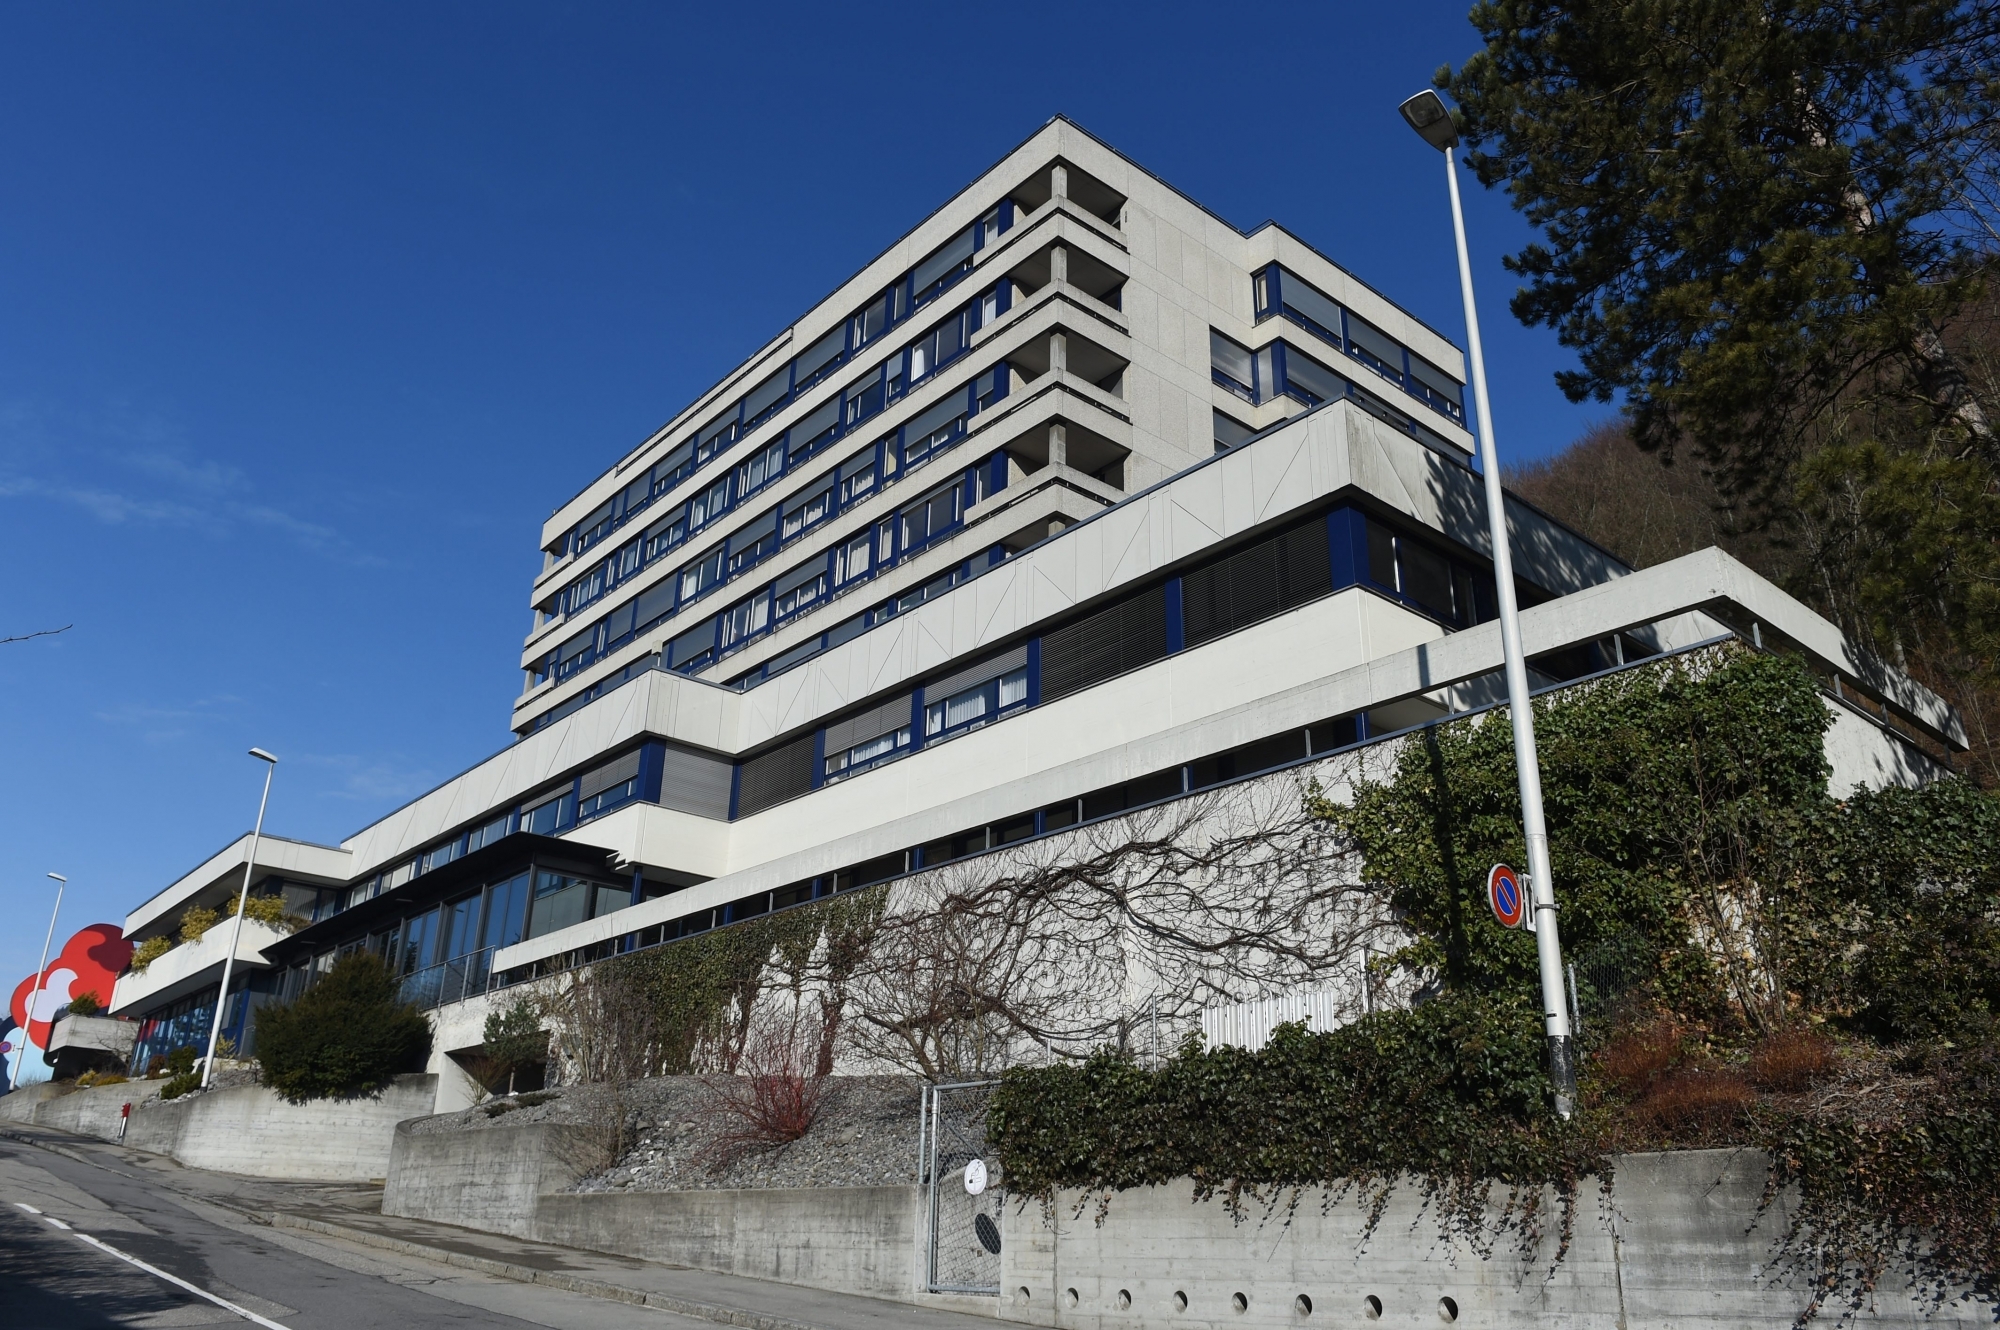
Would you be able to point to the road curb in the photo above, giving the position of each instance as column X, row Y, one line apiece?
column 571, row 1283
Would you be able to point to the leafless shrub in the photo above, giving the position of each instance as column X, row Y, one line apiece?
column 775, row 1098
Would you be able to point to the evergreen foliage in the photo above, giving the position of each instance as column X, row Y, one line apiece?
column 348, row 1034
column 1723, row 908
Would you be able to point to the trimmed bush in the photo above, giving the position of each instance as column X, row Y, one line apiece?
column 348, row 1034
column 149, row 951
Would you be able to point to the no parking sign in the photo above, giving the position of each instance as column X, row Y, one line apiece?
column 1507, row 896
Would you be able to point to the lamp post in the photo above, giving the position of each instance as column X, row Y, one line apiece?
column 236, row 931
column 41, row 981
column 1426, row 113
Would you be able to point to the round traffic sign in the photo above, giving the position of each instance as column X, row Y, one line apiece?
column 1505, row 895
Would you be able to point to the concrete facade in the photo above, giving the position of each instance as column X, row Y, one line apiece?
column 1154, row 401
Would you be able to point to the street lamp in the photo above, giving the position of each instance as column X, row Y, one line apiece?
column 41, row 981
column 236, row 932
column 1426, row 113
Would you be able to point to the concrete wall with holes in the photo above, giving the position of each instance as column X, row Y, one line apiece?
column 1679, row 1240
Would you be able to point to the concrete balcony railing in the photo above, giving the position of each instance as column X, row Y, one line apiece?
column 80, row 1043
column 191, row 966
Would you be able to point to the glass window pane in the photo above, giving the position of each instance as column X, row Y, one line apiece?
column 1321, row 383
column 1316, row 311
column 1426, row 577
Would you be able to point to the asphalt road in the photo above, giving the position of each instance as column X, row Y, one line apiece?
column 70, row 1231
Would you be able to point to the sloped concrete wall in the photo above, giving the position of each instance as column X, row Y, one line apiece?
column 511, row 1179
column 848, row 1239
column 1680, row 1241
column 249, row 1129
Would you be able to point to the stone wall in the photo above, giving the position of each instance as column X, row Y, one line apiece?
column 247, row 1129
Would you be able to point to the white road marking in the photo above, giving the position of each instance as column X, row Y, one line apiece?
column 23, row 1205
column 54, row 1222
column 158, row 1273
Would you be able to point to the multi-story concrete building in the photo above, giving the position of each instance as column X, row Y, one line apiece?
column 1076, row 498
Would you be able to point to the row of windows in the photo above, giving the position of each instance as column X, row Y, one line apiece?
column 1281, row 370
column 1279, row 293
column 599, row 790
column 777, row 457
column 915, row 291
column 1237, row 763
column 890, row 459
column 1235, row 590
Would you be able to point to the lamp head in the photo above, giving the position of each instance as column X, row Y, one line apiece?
column 263, row 756
column 1428, row 115
column 60, row 878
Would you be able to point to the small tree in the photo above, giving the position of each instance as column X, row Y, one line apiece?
column 514, row 1040
column 348, row 1034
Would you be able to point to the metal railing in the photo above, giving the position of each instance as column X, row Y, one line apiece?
column 449, row 981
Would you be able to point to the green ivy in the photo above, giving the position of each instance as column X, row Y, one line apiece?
column 1683, row 798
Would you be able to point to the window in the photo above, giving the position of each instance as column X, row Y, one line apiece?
column 667, row 533
column 989, row 387
column 576, row 653
column 607, row 787
column 1438, row 389
column 869, row 751
column 937, row 273
column 753, row 542
column 1230, row 365
column 1229, row 432
column 550, row 816
column 863, row 398
column 691, row 648
column 702, row 574
column 807, row 510
column 1304, row 305
column 439, row 857
column 672, row 468
column 419, row 940
column 820, row 357
column 715, row 438
column 931, row 515
column 746, row 619
column 560, row 901
column 799, row 588
column 653, row 605
column 939, row 347
column 816, row 430
column 974, row 706
column 506, row 911
column 766, row 398
column 1310, row 381
column 592, row 528
column 857, row 477
column 934, row 429
column 855, row 558
column 710, row 504
column 487, row 835
column 1375, row 349
column 764, row 465
column 461, row 927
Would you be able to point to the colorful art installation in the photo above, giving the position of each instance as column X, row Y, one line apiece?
column 90, row 962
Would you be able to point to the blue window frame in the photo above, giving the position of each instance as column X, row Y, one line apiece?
column 968, row 710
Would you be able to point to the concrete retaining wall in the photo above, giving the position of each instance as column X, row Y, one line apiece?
column 488, row 1178
column 848, row 1239
column 248, row 1129
column 510, row 1180
column 1681, row 1242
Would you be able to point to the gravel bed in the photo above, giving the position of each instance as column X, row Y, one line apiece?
column 865, row 1135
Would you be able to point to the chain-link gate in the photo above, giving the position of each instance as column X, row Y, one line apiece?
column 964, row 1189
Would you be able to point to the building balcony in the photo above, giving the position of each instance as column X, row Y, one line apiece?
column 190, row 967
column 90, row 1043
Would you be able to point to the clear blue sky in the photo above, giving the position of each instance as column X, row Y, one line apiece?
column 310, row 315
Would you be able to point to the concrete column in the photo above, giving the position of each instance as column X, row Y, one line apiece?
column 1059, row 181
column 1058, row 351
column 1059, row 264
column 1058, row 446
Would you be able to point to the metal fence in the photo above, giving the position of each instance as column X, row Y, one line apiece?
column 964, row 1188
column 449, row 981
column 1249, row 1024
